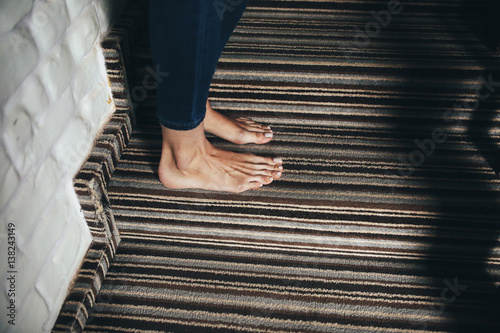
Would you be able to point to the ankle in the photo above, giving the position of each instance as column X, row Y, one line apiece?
column 180, row 148
column 184, row 158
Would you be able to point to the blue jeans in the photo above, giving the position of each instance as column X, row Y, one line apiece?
column 187, row 39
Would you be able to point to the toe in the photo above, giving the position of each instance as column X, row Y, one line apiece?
column 263, row 179
column 261, row 162
column 276, row 174
column 263, row 137
column 255, row 185
column 262, row 171
column 244, row 136
column 251, row 125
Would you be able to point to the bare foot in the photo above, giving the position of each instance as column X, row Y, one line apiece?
column 188, row 160
column 237, row 130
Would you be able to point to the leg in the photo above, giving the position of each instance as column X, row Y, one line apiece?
column 232, row 14
column 235, row 130
column 183, row 34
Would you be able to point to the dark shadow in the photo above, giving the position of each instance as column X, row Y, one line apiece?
column 487, row 13
column 479, row 128
column 456, row 169
column 483, row 119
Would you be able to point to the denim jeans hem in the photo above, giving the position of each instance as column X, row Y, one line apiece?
column 180, row 126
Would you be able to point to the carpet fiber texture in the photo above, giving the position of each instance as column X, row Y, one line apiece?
column 387, row 217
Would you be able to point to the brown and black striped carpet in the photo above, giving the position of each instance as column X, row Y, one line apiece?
column 387, row 216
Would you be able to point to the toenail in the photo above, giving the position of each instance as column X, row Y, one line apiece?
column 268, row 135
column 280, row 168
column 278, row 160
column 271, row 179
column 279, row 174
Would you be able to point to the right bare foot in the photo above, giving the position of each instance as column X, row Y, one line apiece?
column 236, row 130
column 188, row 160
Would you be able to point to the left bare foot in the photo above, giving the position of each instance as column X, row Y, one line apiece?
column 236, row 130
column 188, row 160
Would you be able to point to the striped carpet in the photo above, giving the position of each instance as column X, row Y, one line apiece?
column 387, row 216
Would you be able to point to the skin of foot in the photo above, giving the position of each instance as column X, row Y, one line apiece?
column 236, row 130
column 189, row 160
